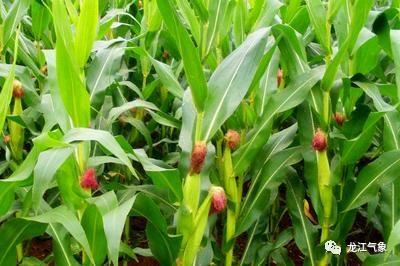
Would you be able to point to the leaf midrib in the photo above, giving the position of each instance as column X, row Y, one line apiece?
column 221, row 102
column 302, row 222
column 370, row 183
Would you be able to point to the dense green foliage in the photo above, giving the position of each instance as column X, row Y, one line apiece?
column 236, row 129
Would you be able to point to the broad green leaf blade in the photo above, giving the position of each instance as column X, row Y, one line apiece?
column 366, row 55
column 186, row 135
column 62, row 115
column 239, row 22
column 216, row 15
column 115, row 112
column 381, row 260
column 141, row 128
column 230, row 82
column 269, row 179
column 291, row 44
column 102, row 71
column 41, row 18
column 45, row 169
column 18, row 9
column 6, row 197
column 62, row 215
column 354, row 149
column 169, row 179
column 14, row 232
column 360, row 12
column 86, row 30
column 381, row 171
column 6, row 91
column 395, row 43
column 190, row 17
column 268, row 84
column 71, row 87
column 333, row 8
column 317, row 13
column 276, row 143
column 152, row 15
column 113, row 221
column 190, row 56
column 92, row 223
column 102, row 137
column 5, row 97
column 63, row 254
column 394, row 238
column 168, row 78
column 305, row 234
column 164, row 247
column 288, row 98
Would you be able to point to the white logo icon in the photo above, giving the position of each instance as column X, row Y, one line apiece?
column 332, row 247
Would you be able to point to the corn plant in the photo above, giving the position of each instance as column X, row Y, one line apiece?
column 175, row 132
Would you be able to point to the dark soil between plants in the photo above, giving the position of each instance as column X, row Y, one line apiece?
column 362, row 231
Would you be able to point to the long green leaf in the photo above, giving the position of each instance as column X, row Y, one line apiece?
column 164, row 247
column 18, row 9
column 190, row 56
column 317, row 15
column 41, row 18
column 103, row 70
column 71, row 87
column 270, row 178
column 216, row 15
column 92, row 223
column 62, row 251
column 379, row 172
column 102, row 137
column 305, row 233
column 395, row 43
column 292, row 96
column 45, row 169
column 354, row 149
column 6, row 92
column 168, row 78
column 230, row 82
column 86, row 30
column 14, row 232
column 114, row 217
column 62, row 215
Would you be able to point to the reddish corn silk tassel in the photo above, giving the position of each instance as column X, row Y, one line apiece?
column 232, row 138
column 279, row 77
column 219, row 200
column 18, row 91
column 340, row 118
column 319, row 141
column 198, row 157
column 44, row 70
column 88, row 180
column 166, row 55
column 7, row 139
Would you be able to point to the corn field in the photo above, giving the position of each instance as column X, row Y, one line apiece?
column 199, row 132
